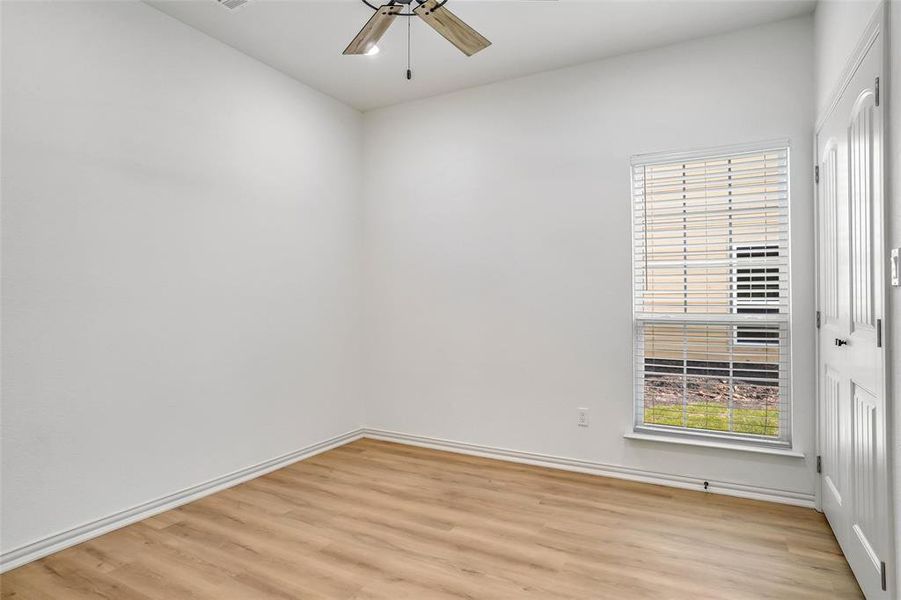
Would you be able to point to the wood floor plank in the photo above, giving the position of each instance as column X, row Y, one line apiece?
column 377, row 520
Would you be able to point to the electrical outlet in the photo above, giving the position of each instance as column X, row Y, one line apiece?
column 582, row 417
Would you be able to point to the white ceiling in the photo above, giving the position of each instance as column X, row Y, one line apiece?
column 305, row 38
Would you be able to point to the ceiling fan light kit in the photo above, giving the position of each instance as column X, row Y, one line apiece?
column 432, row 12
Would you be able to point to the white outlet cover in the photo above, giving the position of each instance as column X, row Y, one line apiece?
column 896, row 276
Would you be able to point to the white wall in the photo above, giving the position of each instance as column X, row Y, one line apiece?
column 498, row 247
column 181, row 234
column 838, row 25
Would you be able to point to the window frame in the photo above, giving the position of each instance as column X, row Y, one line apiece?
column 702, row 437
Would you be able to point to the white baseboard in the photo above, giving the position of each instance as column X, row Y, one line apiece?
column 54, row 543
column 596, row 468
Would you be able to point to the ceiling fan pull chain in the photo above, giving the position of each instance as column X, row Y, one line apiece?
column 409, row 71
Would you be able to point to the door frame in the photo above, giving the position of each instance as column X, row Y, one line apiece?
column 876, row 27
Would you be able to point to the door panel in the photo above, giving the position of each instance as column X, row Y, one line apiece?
column 865, row 462
column 832, row 450
column 851, row 402
column 860, row 168
column 829, row 213
column 868, row 517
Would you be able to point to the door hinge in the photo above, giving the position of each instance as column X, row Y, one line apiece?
column 818, row 319
column 882, row 573
column 816, row 174
column 877, row 91
column 819, row 464
column 879, row 333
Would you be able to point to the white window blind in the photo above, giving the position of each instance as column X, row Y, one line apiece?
column 711, row 293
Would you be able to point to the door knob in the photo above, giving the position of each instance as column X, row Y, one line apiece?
column 839, row 342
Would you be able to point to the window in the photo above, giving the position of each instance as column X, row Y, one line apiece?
column 711, row 294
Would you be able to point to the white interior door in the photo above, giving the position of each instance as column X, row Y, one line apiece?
column 852, row 411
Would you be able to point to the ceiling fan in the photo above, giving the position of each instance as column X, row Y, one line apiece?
column 433, row 12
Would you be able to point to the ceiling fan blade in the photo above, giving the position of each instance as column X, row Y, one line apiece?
column 458, row 33
column 374, row 29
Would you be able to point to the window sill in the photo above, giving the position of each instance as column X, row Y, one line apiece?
column 723, row 445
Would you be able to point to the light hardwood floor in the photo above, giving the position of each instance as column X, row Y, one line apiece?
column 379, row 520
